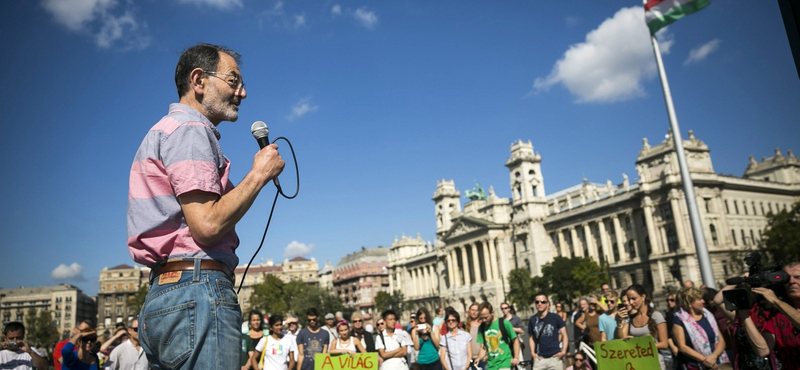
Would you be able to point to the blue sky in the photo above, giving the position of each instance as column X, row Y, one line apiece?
column 380, row 100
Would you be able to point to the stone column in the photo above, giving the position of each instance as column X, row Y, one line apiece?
column 493, row 259
column 634, row 236
column 618, row 236
column 647, row 208
column 465, row 267
column 604, row 240
column 590, row 245
column 476, row 263
column 450, row 271
column 577, row 245
column 562, row 244
column 677, row 216
column 487, row 262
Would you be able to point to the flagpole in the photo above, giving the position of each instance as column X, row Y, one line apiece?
column 688, row 187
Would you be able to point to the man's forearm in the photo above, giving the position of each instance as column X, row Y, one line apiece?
column 790, row 312
column 38, row 361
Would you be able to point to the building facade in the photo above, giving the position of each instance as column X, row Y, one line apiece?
column 298, row 268
column 68, row 304
column 118, row 284
column 639, row 229
column 359, row 276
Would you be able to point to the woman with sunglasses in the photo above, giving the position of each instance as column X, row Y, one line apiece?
column 455, row 344
column 560, row 311
column 580, row 362
column 86, row 359
column 358, row 332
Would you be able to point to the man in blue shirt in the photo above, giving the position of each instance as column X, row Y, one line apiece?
column 543, row 330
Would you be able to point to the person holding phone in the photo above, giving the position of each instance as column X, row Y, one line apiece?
column 426, row 341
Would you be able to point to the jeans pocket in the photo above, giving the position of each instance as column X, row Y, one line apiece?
column 170, row 333
column 226, row 292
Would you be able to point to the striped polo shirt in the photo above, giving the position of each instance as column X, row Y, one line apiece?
column 181, row 153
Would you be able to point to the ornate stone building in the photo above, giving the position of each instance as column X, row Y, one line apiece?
column 117, row 285
column 359, row 276
column 68, row 304
column 639, row 229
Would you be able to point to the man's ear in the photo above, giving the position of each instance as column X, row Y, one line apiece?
column 197, row 81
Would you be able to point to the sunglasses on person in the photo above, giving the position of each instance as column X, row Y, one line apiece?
column 504, row 308
column 452, row 320
column 540, row 302
column 381, row 323
column 357, row 320
column 670, row 299
column 578, row 358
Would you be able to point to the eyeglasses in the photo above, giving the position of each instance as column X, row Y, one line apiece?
column 310, row 319
column 541, row 302
column 355, row 321
column 381, row 323
column 135, row 328
column 292, row 323
column 452, row 320
column 504, row 308
column 671, row 299
column 237, row 82
column 578, row 359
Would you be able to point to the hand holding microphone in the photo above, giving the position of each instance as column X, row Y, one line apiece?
column 261, row 133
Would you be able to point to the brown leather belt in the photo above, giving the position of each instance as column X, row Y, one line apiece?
column 188, row 265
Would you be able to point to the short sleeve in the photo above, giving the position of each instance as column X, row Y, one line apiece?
column 658, row 317
column 191, row 158
column 261, row 344
column 510, row 329
column 379, row 342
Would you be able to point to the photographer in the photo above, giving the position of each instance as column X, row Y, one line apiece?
column 772, row 336
column 15, row 353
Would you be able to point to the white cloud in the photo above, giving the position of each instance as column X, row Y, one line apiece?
column 73, row 272
column 572, row 21
column 367, row 18
column 295, row 249
column 301, row 108
column 336, row 9
column 219, row 4
column 100, row 20
column 299, row 20
column 611, row 64
column 700, row 53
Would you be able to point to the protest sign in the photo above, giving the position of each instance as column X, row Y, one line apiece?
column 627, row 354
column 361, row 361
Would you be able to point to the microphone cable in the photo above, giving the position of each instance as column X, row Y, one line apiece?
column 272, row 209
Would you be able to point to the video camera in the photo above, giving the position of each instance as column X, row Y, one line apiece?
column 759, row 276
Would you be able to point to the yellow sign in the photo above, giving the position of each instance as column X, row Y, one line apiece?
column 627, row 354
column 361, row 361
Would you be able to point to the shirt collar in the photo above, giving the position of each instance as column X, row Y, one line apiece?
column 178, row 107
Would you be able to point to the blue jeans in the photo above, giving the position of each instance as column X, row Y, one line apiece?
column 192, row 323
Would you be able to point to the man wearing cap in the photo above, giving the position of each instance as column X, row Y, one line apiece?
column 330, row 327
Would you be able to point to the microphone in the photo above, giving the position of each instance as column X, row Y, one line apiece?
column 261, row 133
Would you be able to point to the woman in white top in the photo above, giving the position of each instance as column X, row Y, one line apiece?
column 454, row 346
column 275, row 351
column 345, row 344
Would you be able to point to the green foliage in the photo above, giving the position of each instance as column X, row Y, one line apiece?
column 394, row 301
column 273, row 296
column 40, row 330
column 521, row 288
column 781, row 238
column 136, row 302
column 568, row 278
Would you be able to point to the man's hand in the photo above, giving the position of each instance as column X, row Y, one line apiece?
column 560, row 354
column 768, row 294
column 514, row 361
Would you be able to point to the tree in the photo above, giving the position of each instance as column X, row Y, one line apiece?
column 521, row 288
column 781, row 238
column 569, row 278
column 40, row 330
column 268, row 297
column 394, row 301
column 136, row 302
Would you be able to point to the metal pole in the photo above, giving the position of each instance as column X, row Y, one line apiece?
column 688, row 186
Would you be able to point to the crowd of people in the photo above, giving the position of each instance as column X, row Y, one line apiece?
column 694, row 331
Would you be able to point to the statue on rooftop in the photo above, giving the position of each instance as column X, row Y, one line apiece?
column 476, row 193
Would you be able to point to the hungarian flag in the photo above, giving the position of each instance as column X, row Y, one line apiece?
column 661, row 13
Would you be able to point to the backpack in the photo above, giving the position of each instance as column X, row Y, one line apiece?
column 503, row 332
